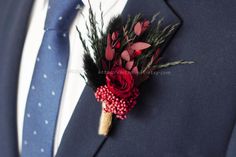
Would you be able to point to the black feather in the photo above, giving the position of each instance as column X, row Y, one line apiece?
column 94, row 76
column 115, row 24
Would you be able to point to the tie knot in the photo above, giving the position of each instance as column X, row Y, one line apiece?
column 61, row 13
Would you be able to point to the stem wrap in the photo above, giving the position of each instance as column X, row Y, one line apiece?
column 105, row 122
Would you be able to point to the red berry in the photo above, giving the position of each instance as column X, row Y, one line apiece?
column 137, row 53
column 117, row 45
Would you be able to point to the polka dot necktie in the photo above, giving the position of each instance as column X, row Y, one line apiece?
column 48, row 80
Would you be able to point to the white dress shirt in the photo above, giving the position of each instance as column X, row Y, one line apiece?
column 74, row 83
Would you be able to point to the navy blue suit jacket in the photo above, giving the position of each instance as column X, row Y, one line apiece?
column 189, row 112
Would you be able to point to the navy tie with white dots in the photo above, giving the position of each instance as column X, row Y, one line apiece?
column 48, row 80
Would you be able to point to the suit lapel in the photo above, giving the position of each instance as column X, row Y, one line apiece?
column 14, row 19
column 81, row 137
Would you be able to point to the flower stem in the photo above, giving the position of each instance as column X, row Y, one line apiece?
column 105, row 122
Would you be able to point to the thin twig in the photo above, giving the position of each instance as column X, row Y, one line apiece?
column 180, row 62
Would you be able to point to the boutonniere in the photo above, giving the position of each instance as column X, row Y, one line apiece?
column 120, row 59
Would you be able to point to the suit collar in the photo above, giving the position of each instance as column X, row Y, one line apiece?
column 81, row 137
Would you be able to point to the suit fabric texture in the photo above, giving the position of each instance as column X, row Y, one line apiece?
column 188, row 112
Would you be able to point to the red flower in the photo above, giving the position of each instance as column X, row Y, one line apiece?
column 120, row 82
column 113, row 104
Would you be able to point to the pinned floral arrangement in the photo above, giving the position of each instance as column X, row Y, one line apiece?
column 121, row 59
